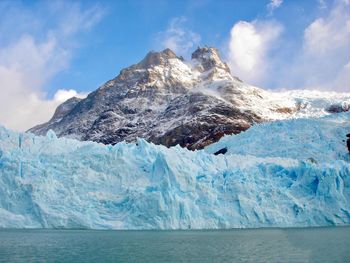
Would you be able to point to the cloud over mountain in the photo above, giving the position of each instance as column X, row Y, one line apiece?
column 260, row 53
column 33, row 55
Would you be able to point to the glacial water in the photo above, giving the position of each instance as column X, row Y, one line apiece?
column 246, row 245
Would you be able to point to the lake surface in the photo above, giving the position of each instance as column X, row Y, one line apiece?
column 247, row 245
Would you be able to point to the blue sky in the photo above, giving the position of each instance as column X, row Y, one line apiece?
column 130, row 29
column 51, row 50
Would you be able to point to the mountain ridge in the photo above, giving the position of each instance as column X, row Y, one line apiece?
column 167, row 100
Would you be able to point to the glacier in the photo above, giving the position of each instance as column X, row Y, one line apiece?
column 289, row 173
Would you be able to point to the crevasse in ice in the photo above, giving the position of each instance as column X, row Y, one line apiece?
column 279, row 174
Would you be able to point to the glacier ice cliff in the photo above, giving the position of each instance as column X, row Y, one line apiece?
column 280, row 174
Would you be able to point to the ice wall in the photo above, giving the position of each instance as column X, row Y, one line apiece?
column 63, row 183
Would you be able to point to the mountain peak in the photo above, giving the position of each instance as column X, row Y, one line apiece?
column 209, row 58
column 202, row 52
column 157, row 58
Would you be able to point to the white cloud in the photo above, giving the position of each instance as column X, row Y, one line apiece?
column 326, row 35
column 325, row 54
column 21, row 111
column 249, row 47
column 272, row 5
column 179, row 38
column 62, row 95
column 259, row 54
column 29, row 61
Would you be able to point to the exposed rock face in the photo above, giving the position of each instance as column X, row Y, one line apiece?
column 337, row 108
column 168, row 101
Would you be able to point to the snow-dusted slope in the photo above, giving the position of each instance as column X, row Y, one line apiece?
column 302, row 104
column 170, row 101
column 62, row 183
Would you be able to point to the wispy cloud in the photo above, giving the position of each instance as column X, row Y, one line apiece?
column 272, row 5
column 322, row 4
column 33, row 54
column 178, row 37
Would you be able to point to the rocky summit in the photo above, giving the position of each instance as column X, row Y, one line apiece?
column 167, row 100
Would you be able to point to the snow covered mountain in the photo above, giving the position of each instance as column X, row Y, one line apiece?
column 301, row 179
column 167, row 100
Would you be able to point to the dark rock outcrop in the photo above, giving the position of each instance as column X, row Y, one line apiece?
column 337, row 108
column 221, row 151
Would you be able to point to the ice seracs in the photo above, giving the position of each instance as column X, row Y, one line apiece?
column 301, row 179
